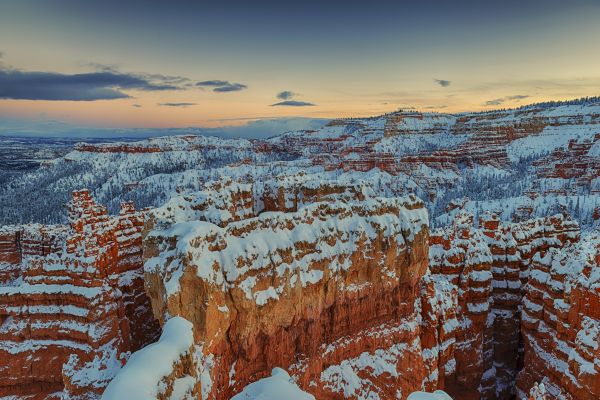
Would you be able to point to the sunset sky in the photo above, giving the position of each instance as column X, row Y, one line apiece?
column 138, row 64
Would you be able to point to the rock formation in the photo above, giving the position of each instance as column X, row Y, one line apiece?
column 76, row 307
column 276, row 280
column 489, row 266
column 561, row 322
column 283, row 289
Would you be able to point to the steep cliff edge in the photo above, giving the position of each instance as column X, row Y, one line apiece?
column 284, row 289
column 561, row 321
column 76, row 306
column 347, row 293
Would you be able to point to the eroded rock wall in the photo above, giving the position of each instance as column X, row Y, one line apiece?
column 77, row 306
column 285, row 289
column 489, row 267
column 561, row 322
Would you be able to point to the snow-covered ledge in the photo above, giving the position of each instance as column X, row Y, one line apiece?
column 276, row 387
column 164, row 369
column 437, row 395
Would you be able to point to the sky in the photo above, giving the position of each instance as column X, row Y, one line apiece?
column 214, row 64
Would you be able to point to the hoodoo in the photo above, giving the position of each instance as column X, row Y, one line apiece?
column 72, row 302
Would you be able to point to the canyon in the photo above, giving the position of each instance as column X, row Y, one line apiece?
column 370, row 259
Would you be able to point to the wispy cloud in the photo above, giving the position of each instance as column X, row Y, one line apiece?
column 293, row 103
column 222, row 86
column 136, row 105
column 177, row 104
column 285, row 95
column 502, row 100
column 436, row 107
column 33, row 85
column 442, row 82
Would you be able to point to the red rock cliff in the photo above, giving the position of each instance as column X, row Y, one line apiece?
column 75, row 308
column 284, row 289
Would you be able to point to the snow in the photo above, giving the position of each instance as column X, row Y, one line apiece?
column 279, row 386
column 437, row 395
column 589, row 335
column 552, row 137
column 317, row 232
column 344, row 377
column 146, row 368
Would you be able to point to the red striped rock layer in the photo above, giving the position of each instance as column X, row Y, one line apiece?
column 21, row 241
column 488, row 135
column 321, row 291
column 489, row 266
column 570, row 170
column 68, row 321
column 561, row 322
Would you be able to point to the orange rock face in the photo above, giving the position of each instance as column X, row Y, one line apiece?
column 490, row 266
column 348, row 292
column 66, row 318
column 285, row 289
column 561, row 322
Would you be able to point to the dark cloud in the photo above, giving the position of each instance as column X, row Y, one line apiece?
column 160, row 78
column 136, row 105
column 502, row 100
column 222, row 86
column 442, row 82
column 214, row 83
column 166, row 79
column 234, row 87
column 293, row 103
column 285, row 95
column 177, row 104
column 26, row 85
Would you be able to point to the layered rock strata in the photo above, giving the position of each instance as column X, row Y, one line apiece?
column 284, row 289
column 75, row 310
column 489, row 267
column 267, row 288
column 561, row 322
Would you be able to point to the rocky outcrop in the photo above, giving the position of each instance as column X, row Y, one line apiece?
column 70, row 317
column 489, row 267
column 163, row 370
column 571, row 169
column 276, row 280
column 283, row 289
column 561, row 322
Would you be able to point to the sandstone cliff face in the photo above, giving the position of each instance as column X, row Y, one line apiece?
column 489, row 266
column 570, row 169
column 561, row 322
column 461, row 140
column 72, row 313
column 284, row 289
